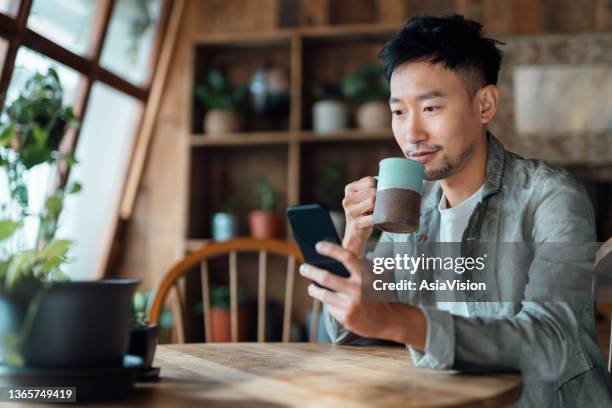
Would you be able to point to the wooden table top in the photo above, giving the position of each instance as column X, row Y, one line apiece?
column 247, row 375
column 306, row 375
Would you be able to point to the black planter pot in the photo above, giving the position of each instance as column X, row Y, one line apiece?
column 82, row 323
column 143, row 341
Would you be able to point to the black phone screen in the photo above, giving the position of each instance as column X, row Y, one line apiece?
column 311, row 223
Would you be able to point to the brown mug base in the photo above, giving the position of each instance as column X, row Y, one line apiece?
column 394, row 227
column 397, row 210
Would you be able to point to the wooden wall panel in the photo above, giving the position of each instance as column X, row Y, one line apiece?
column 314, row 13
column 391, row 11
column 568, row 15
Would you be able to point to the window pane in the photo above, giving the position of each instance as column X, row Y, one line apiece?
column 9, row 7
column 103, row 152
column 29, row 62
column 66, row 22
column 38, row 178
column 129, row 40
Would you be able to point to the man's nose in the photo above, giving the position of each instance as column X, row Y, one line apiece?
column 413, row 132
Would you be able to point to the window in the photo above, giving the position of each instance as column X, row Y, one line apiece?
column 104, row 52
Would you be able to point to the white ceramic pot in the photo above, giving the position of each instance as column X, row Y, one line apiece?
column 218, row 122
column 329, row 116
column 373, row 115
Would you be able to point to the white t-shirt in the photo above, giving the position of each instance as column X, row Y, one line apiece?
column 453, row 222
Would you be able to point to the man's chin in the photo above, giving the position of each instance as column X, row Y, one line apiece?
column 435, row 173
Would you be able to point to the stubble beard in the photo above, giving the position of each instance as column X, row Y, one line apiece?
column 449, row 165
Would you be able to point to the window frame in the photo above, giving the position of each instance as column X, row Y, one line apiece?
column 16, row 32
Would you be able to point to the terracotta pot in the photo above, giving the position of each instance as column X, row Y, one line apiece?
column 263, row 224
column 218, row 122
column 373, row 115
column 221, row 328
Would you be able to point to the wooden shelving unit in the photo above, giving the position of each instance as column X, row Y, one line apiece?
column 288, row 153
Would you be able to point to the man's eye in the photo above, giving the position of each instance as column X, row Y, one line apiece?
column 396, row 112
column 431, row 108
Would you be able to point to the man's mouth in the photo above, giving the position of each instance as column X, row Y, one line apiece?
column 423, row 156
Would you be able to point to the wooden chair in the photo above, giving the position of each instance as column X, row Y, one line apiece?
column 232, row 248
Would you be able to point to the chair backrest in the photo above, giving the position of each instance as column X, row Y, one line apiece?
column 232, row 248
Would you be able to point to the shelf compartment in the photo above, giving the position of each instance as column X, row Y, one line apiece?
column 220, row 173
column 238, row 62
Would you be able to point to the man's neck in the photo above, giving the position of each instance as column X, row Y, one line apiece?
column 460, row 186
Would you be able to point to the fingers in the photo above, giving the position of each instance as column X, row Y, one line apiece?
column 324, row 278
column 366, row 182
column 346, row 257
column 363, row 222
column 359, row 199
column 329, row 298
column 364, row 207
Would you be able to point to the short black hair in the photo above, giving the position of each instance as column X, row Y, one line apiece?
column 453, row 41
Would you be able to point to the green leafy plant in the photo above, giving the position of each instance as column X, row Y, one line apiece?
column 31, row 132
column 220, row 297
column 217, row 93
column 140, row 301
column 366, row 84
column 325, row 91
column 265, row 193
column 227, row 205
column 330, row 188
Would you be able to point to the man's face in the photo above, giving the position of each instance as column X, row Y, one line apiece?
column 435, row 121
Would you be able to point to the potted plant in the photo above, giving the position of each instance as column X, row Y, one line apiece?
column 329, row 112
column 34, row 291
column 143, row 335
column 222, row 101
column 330, row 192
column 369, row 90
column 220, row 317
column 264, row 222
column 224, row 222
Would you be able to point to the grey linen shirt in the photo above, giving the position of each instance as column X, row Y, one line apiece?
column 553, row 344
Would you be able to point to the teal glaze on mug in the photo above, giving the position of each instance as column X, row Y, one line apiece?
column 395, row 172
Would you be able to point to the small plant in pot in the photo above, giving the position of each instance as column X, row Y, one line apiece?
column 329, row 113
column 143, row 335
column 368, row 88
column 223, row 102
column 264, row 222
column 220, row 315
column 330, row 192
column 34, row 291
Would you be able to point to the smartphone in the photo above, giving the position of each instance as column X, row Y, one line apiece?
column 311, row 223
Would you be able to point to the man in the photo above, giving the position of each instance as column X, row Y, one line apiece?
column 443, row 76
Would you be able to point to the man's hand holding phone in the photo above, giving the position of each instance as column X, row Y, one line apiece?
column 343, row 297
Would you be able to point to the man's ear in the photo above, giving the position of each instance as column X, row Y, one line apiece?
column 488, row 100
